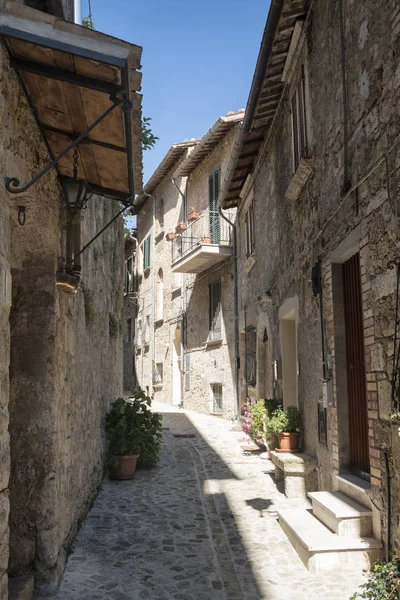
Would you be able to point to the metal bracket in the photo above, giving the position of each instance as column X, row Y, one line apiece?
column 12, row 183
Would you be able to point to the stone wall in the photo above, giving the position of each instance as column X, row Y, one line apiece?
column 66, row 358
column 292, row 234
column 204, row 363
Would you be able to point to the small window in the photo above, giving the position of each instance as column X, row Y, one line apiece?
column 160, row 214
column 215, row 310
column 249, row 229
column 129, row 275
column 217, row 397
column 146, row 252
column 299, row 121
column 158, row 374
column 129, row 330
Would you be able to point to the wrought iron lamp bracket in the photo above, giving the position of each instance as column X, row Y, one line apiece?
column 12, row 183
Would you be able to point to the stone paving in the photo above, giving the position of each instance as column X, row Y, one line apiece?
column 201, row 526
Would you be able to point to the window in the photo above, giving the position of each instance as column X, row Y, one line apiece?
column 146, row 252
column 187, row 371
column 160, row 296
column 158, row 374
column 138, row 335
column 251, row 355
column 299, row 121
column 160, row 214
column 249, row 228
column 217, row 397
column 215, row 310
column 129, row 275
column 213, row 194
column 129, row 330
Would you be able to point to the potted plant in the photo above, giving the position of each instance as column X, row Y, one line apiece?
column 193, row 214
column 133, row 431
column 285, row 424
column 180, row 228
column 170, row 236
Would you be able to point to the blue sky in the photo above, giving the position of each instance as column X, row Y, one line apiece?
column 198, row 60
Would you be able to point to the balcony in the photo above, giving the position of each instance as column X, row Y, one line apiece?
column 206, row 242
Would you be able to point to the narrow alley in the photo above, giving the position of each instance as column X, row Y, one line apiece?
column 202, row 525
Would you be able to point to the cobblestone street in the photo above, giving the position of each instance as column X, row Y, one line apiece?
column 201, row 526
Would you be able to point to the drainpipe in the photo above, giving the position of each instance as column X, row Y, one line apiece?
column 77, row 12
column 183, row 292
column 235, row 315
column 346, row 174
column 388, row 507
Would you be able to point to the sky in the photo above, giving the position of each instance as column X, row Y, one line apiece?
column 197, row 64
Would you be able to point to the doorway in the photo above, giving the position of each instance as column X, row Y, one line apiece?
column 176, row 369
column 355, row 368
column 288, row 332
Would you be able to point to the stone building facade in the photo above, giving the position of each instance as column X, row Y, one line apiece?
column 60, row 353
column 130, row 312
column 184, row 332
column 317, row 226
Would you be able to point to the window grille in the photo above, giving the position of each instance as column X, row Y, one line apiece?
column 251, row 356
column 158, row 374
column 250, row 231
column 213, row 194
column 215, row 310
column 217, row 397
column 322, row 423
column 299, row 121
column 187, row 371
column 146, row 252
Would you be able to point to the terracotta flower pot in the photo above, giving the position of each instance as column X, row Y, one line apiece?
column 193, row 215
column 289, row 442
column 126, row 468
column 170, row 237
column 180, row 228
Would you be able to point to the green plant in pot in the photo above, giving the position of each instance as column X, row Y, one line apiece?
column 285, row 424
column 133, row 431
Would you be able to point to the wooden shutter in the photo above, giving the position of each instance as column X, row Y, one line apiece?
column 215, row 310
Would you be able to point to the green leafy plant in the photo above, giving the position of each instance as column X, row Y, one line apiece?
column 132, row 428
column 87, row 22
column 287, row 420
column 148, row 137
column 254, row 421
column 383, row 584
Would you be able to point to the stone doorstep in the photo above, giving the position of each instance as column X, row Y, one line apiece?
column 343, row 515
column 323, row 551
column 294, row 463
column 356, row 488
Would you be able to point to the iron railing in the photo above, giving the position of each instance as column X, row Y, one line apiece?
column 209, row 228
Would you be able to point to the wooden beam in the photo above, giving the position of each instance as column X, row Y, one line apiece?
column 63, row 75
column 72, row 136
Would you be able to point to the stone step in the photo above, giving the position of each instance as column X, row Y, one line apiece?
column 324, row 551
column 342, row 514
column 354, row 487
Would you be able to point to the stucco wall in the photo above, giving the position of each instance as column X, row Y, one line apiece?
column 292, row 234
column 66, row 365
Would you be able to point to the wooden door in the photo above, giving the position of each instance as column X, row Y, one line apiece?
column 356, row 379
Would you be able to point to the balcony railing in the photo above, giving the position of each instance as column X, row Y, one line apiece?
column 208, row 230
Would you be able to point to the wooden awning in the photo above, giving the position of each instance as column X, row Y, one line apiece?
column 71, row 76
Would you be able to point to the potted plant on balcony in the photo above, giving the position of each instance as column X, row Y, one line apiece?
column 193, row 214
column 285, row 424
column 132, row 431
column 180, row 228
column 170, row 236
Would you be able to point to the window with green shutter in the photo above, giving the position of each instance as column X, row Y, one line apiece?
column 146, row 253
column 213, row 195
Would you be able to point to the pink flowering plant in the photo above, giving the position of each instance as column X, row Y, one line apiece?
column 255, row 423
